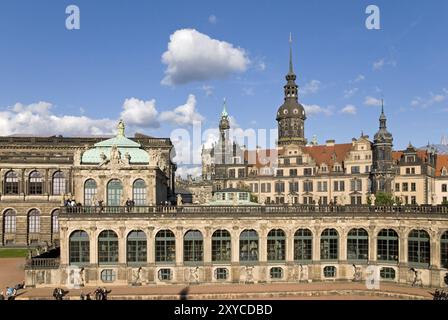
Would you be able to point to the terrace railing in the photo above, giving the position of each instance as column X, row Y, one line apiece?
column 261, row 209
column 42, row 263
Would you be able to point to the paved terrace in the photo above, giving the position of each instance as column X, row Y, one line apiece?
column 327, row 290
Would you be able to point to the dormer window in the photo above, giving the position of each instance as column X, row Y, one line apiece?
column 444, row 172
column 410, row 158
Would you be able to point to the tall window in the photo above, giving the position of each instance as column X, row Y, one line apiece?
column 139, row 192
column 387, row 246
column 35, row 183
column 329, row 248
column 221, row 246
column 418, row 248
column 276, row 245
column 58, row 183
column 358, row 245
column 34, row 221
column 9, row 221
column 248, row 246
column 89, row 192
column 444, row 250
column 136, row 247
column 193, row 246
column 108, row 247
column 79, row 248
column 11, row 183
column 165, row 246
column 114, row 192
column 303, row 245
column 55, row 221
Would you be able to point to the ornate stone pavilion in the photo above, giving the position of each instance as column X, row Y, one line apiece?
column 39, row 173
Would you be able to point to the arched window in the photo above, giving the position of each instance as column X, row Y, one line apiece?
column 387, row 244
column 114, row 192
column 108, row 247
column 303, row 245
column 11, row 183
column 79, row 248
column 55, row 221
column 221, row 246
column 9, row 221
column 418, row 248
column 58, row 183
column 136, row 247
column 139, row 192
column 444, row 250
column 34, row 221
column 193, row 246
column 329, row 248
column 165, row 246
column 276, row 245
column 90, row 192
column 248, row 246
column 35, row 183
column 358, row 245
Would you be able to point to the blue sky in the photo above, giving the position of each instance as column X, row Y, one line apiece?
column 82, row 76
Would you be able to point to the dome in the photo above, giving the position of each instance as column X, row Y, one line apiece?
column 291, row 109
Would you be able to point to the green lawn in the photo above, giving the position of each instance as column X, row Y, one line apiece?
column 13, row 253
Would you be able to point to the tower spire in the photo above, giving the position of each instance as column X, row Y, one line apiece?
column 291, row 68
column 224, row 108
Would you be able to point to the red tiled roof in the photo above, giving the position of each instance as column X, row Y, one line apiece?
column 442, row 162
column 422, row 154
column 324, row 154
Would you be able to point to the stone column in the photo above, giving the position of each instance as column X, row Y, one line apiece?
column 207, row 246
column 179, row 246
column 122, row 246
column 262, row 254
column 290, row 246
column 64, row 248
column 93, row 238
column 316, row 244
column 235, row 234
column 342, row 245
column 403, row 272
column 150, row 246
column 373, row 239
column 435, row 264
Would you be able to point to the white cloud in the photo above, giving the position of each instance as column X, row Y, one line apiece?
column 350, row 92
column 183, row 115
column 208, row 90
column 39, row 119
column 359, row 78
column 433, row 99
column 349, row 109
column 315, row 109
column 371, row 101
column 212, row 19
column 140, row 113
column 194, row 56
column 185, row 171
column 248, row 91
column 378, row 65
column 311, row 87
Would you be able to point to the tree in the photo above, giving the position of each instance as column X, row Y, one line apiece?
column 445, row 203
column 384, row 199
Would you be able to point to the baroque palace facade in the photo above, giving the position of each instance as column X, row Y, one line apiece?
column 316, row 219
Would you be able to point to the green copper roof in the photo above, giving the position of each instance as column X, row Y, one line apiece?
column 124, row 145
